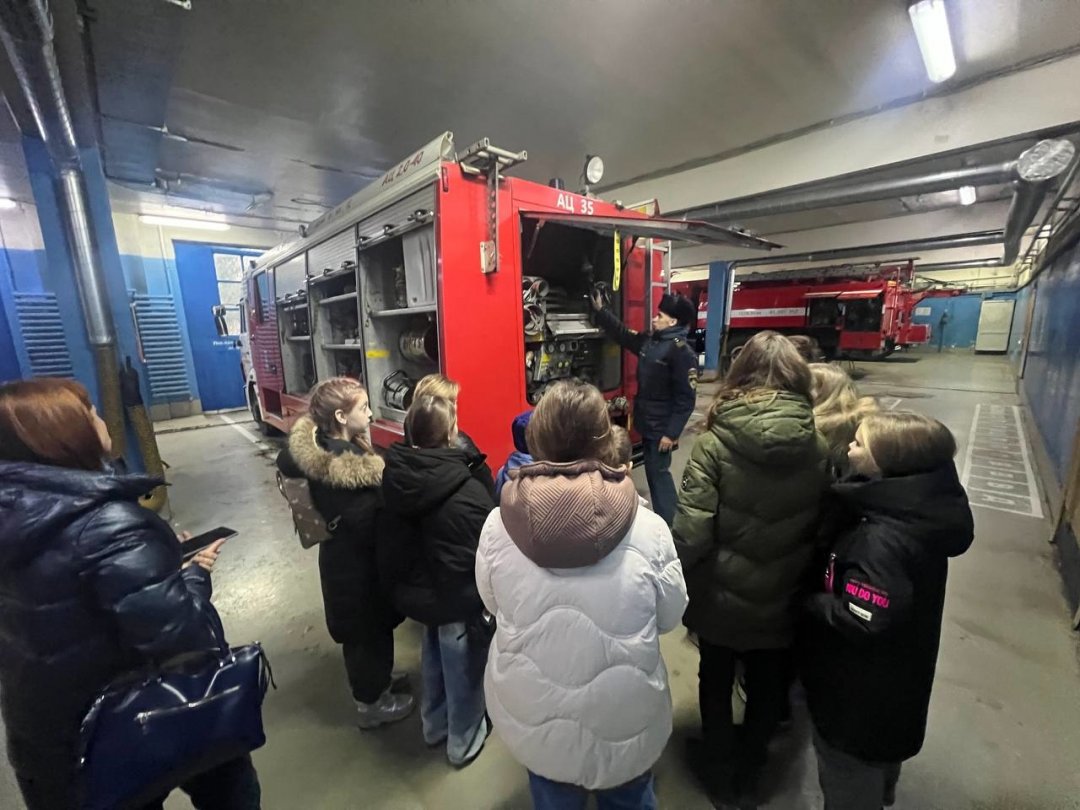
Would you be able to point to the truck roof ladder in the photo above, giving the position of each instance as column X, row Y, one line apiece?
column 490, row 161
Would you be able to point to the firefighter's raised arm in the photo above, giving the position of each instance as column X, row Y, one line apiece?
column 627, row 338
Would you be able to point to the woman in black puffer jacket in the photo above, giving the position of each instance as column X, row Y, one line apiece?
column 91, row 586
column 331, row 448
column 428, row 533
column 439, row 385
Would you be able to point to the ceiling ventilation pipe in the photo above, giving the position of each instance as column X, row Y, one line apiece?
column 961, row 240
column 1031, row 174
column 26, row 28
column 1037, row 167
column 867, row 191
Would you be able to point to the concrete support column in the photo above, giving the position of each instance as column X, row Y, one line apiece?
column 719, row 281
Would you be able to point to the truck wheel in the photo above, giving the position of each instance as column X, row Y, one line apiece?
column 256, row 415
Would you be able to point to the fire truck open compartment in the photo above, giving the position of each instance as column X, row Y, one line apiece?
column 399, row 318
column 560, row 265
column 294, row 325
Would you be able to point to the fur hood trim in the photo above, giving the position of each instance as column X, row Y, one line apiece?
column 348, row 470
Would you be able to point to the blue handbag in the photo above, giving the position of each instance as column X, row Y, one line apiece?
column 148, row 733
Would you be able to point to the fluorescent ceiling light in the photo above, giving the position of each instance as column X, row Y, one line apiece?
column 180, row 222
column 967, row 195
column 932, row 31
column 7, row 204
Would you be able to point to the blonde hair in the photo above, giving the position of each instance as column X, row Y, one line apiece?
column 570, row 422
column 333, row 395
column 767, row 364
column 904, row 443
column 430, row 421
column 437, row 385
column 620, row 449
column 838, row 408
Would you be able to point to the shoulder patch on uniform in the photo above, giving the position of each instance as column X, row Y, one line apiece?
column 692, row 375
column 680, row 342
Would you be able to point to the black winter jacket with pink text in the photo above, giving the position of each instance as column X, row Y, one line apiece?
column 870, row 644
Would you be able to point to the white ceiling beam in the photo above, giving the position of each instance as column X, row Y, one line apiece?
column 1037, row 99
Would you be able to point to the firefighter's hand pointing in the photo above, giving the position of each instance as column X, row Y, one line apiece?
column 597, row 300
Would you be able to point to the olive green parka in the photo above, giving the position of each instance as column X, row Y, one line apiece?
column 747, row 517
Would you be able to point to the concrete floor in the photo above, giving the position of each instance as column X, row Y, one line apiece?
column 1004, row 728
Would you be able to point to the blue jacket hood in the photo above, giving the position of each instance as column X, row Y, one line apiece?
column 517, row 428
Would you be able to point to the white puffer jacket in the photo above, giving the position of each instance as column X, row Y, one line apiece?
column 582, row 583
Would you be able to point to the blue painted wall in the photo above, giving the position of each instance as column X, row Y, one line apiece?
column 963, row 324
column 1052, row 375
column 1051, row 385
column 217, row 359
column 140, row 275
column 9, row 362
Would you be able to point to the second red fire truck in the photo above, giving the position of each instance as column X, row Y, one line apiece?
column 852, row 312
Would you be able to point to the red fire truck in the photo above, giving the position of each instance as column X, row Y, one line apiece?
column 444, row 264
column 856, row 312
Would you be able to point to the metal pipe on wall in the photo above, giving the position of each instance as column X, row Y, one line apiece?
column 969, row 264
column 89, row 274
column 26, row 29
column 965, row 280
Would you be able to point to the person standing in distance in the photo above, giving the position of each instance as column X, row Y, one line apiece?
column 667, row 376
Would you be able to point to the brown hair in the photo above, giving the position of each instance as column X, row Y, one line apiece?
column 333, row 395
column 903, row 443
column 838, row 409
column 437, row 385
column 807, row 347
column 430, row 421
column 48, row 421
column 620, row 449
column 570, row 422
column 767, row 364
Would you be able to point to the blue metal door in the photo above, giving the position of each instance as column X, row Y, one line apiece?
column 211, row 277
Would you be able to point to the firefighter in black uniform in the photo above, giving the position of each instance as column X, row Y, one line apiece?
column 667, row 375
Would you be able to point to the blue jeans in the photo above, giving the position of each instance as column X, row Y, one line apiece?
column 661, row 485
column 452, row 706
column 635, row 795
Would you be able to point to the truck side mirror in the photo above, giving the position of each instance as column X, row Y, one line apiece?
column 219, row 320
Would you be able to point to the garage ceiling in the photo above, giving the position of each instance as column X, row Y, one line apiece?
column 273, row 110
